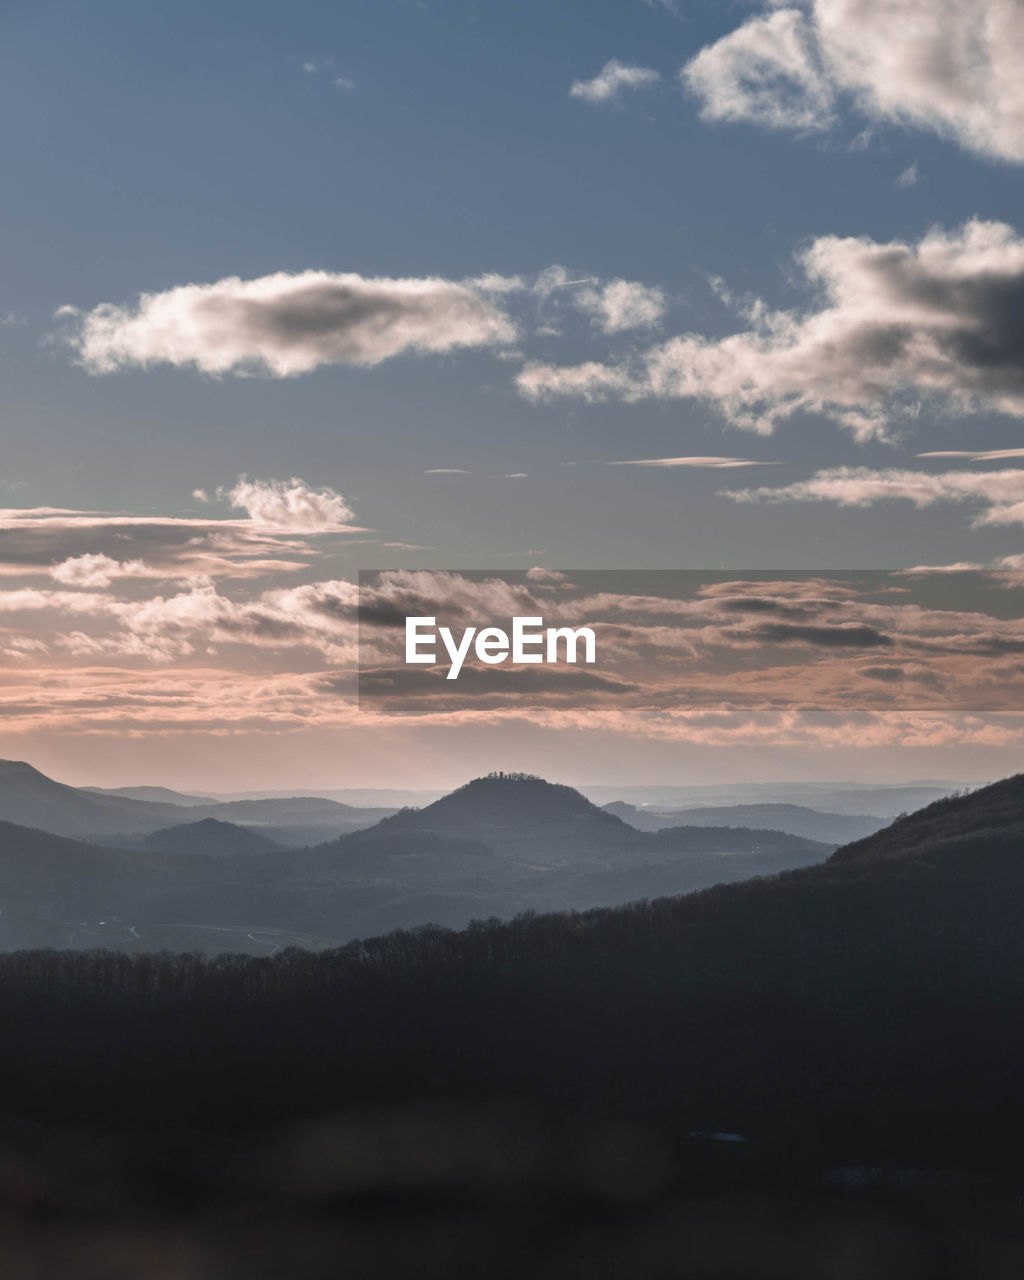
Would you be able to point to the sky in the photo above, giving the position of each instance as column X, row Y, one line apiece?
column 295, row 291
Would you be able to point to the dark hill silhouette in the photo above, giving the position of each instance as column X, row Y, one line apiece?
column 853, row 1020
column 503, row 808
column 860, row 1011
column 207, row 836
column 992, row 815
column 527, row 817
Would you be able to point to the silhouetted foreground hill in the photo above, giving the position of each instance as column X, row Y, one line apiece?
column 540, row 1098
column 845, row 1003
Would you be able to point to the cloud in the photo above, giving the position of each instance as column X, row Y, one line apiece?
column 895, row 324
column 98, row 570
column 941, row 65
column 813, row 662
column 286, row 324
column 613, row 78
column 447, row 471
column 768, row 70
column 343, row 82
column 318, row 617
column 1000, row 494
column 910, row 177
column 290, row 505
column 713, row 463
column 984, row 455
column 621, row 305
column 89, row 548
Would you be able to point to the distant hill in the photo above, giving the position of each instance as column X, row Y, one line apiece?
column 830, row 828
column 29, row 798
column 208, row 836
column 158, row 795
column 493, row 848
column 857, row 799
column 521, row 815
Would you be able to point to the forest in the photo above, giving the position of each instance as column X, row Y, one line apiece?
column 751, row 1051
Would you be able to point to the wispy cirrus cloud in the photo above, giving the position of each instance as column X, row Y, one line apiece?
column 998, row 494
column 894, row 324
column 89, row 548
column 286, row 324
column 703, row 462
column 984, row 455
column 940, row 65
column 613, row 79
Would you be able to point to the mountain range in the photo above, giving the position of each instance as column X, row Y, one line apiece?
column 798, row 820
column 29, row 798
column 492, row 848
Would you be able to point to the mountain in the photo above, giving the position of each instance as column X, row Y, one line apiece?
column 29, row 798
column 495, row 847
column 208, row 836
column 862, row 1012
column 990, row 818
column 829, row 828
column 853, row 798
column 159, row 795
column 520, row 815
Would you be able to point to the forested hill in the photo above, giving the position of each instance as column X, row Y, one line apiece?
column 512, row 804
column 523, row 815
column 866, row 1008
column 992, row 813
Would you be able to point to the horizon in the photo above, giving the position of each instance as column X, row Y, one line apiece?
column 677, row 784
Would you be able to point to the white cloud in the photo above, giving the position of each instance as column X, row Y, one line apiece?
column 910, row 177
column 622, row 304
column 713, row 463
column 999, row 494
column 985, row 455
column 944, row 65
column 98, row 570
column 90, row 549
column 343, row 82
column 286, row 324
column 940, row 320
column 768, row 70
column 290, row 505
column 611, row 80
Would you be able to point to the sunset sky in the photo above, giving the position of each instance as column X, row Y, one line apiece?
column 294, row 291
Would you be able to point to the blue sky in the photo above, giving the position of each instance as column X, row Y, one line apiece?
column 151, row 147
